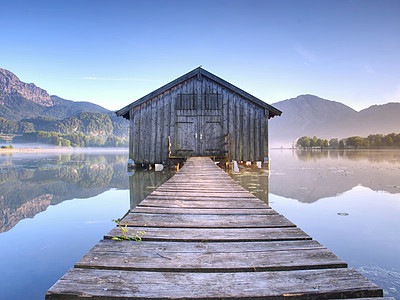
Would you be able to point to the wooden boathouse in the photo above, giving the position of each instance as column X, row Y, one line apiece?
column 205, row 237
column 198, row 114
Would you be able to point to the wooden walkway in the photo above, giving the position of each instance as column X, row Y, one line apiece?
column 206, row 237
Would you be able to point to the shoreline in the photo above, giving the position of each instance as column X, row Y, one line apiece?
column 60, row 150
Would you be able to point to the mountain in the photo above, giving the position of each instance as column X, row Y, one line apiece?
column 27, row 108
column 10, row 84
column 21, row 100
column 309, row 115
column 385, row 118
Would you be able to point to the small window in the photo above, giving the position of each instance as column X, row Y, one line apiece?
column 211, row 101
column 186, row 102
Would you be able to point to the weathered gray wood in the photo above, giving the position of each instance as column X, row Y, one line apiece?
column 172, row 99
column 246, row 130
column 192, row 187
column 181, row 203
column 231, row 126
column 165, row 133
column 136, row 126
column 189, row 197
column 265, row 121
column 257, row 140
column 159, row 130
column 204, row 194
column 124, row 247
column 203, row 179
column 203, row 211
column 212, row 181
column 131, row 135
column 239, row 133
column 203, row 174
column 197, row 189
column 252, row 135
column 163, row 257
column 230, row 111
column 141, row 152
column 147, row 133
column 200, row 183
column 205, row 221
column 151, row 138
column 263, row 150
column 304, row 284
column 185, row 181
column 214, row 234
column 225, row 115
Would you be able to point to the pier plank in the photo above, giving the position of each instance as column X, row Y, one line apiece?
column 160, row 257
column 196, row 189
column 203, row 211
column 206, row 204
column 204, row 194
column 175, row 196
column 303, row 284
column 214, row 234
column 205, row 247
column 205, row 221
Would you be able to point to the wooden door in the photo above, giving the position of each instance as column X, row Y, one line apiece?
column 186, row 126
column 186, row 137
column 210, row 142
column 198, row 126
column 210, row 125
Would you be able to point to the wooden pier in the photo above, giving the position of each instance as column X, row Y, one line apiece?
column 206, row 237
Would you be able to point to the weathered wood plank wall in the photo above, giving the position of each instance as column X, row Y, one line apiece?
column 202, row 127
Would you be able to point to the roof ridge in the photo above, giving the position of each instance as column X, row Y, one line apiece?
column 199, row 71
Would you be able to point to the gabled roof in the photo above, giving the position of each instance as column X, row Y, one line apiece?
column 199, row 72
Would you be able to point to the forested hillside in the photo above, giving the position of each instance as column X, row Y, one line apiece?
column 96, row 124
column 29, row 114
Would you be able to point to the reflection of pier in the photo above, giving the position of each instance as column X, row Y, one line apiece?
column 206, row 237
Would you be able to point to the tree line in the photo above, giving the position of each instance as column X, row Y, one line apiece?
column 86, row 129
column 71, row 140
column 372, row 141
column 85, row 122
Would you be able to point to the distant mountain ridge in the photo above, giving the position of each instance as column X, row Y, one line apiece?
column 20, row 100
column 10, row 84
column 25, row 108
column 313, row 116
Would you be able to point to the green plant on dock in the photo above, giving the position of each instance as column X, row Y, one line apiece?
column 135, row 236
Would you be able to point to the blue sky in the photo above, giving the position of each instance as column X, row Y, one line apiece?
column 114, row 52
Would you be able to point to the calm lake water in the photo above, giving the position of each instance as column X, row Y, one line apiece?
column 56, row 207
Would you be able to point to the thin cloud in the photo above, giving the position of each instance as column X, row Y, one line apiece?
column 116, row 79
column 305, row 53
